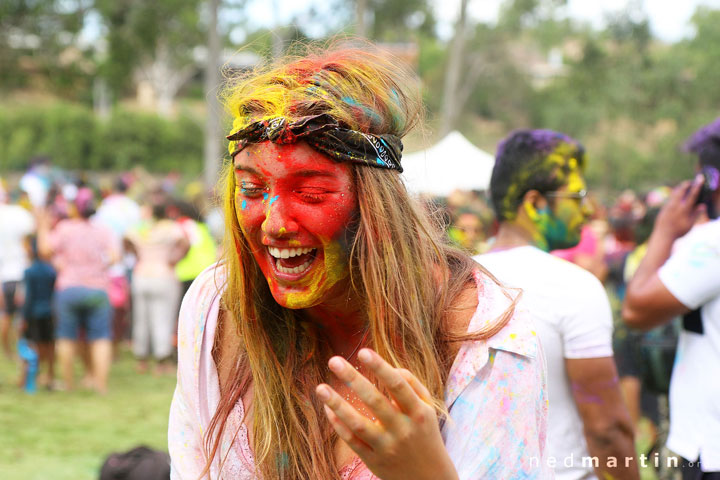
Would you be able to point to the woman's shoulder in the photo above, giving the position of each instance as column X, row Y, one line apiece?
column 502, row 311
column 200, row 305
column 206, row 287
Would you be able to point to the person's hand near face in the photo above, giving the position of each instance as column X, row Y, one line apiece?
column 681, row 211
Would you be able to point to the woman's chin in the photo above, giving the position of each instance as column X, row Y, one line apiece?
column 296, row 300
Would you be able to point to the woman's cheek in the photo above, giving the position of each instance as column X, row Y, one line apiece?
column 331, row 219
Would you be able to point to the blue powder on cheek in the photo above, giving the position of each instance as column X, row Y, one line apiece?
column 243, row 205
column 272, row 200
column 265, row 197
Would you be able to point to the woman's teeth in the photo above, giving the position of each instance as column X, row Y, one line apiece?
column 283, row 253
column 288, row 252
column 298, row 269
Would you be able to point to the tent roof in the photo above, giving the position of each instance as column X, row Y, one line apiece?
column 451, row 164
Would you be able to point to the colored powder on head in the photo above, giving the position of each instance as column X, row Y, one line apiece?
column 265, row 197
column 243, row 205
column 700, row 139
column 272, row 200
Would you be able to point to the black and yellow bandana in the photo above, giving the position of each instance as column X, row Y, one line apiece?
column 326, row 135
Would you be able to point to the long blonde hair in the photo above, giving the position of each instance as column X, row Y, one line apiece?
column 401, row 266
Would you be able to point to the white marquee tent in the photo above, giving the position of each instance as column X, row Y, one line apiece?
column 451, row 164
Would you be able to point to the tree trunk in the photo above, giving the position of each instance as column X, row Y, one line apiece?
column 101, row 97
column 278, row 40
column 361, row 14
column 451, row 106
column 211, row 155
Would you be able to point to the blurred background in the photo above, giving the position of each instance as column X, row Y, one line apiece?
column 118, row 97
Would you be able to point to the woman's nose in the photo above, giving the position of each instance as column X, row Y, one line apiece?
column 279, row 221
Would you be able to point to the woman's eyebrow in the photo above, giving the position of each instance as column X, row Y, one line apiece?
column 242, row 168
column 315, row 173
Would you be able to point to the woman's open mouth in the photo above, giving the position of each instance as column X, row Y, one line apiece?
column 292, row 261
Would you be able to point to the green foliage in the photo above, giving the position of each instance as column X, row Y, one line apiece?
column 38, row 46
column 138, row 28
column 633, row 100
column 394, row 20
column 76, row 139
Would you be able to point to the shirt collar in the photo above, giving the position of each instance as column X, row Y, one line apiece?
column 517, row 336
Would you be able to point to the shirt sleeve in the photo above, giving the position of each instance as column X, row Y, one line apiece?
column 587, row 324
column 497, row 426
column 185, row 435
column 691, row 273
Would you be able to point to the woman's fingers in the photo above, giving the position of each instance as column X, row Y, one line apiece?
column 365, row 390
column 420, row 389
column 354, row 422
column 397, row 385
column 346, row 435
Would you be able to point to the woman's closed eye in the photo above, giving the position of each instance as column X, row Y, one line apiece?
column 250, row 189
column 313, row 194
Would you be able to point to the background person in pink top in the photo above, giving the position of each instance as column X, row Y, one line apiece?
column 81, row 252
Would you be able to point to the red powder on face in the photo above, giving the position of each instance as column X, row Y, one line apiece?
column 294, row 206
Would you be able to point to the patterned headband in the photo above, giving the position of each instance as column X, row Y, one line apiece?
column 326, row 135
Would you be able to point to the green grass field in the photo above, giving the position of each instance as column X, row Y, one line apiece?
column 67, row 435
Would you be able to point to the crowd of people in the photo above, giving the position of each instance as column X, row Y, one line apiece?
column 345, row 334
column 86, row 269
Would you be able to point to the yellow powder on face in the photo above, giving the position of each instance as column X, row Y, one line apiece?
column 322, row 278
column 575, row 182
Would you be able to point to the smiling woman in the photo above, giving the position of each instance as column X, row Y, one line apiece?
column 295, row 207
column 342, row 337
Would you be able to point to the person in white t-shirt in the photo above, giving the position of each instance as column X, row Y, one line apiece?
column 15, row 224
column 538, row 193
column 680, row 275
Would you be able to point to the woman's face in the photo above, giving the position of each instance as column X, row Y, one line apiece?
column 295, row 206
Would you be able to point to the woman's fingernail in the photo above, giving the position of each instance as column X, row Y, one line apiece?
column 336, row 364
column 323, row 393
column 364, row 355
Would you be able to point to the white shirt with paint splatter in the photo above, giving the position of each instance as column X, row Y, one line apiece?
column 495, row 394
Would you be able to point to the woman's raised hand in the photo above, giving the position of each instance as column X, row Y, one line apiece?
column 404, row 441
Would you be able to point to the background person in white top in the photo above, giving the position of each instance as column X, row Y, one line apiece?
column 681, row 276
column 537, row 192
column 15, row 224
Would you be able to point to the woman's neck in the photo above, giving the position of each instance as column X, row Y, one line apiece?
column 342, row 322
